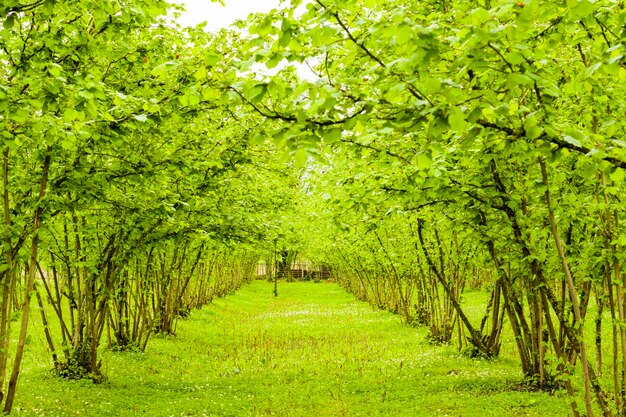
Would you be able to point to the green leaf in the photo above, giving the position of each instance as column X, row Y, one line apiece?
column 589, row 169
column 193, row 98
column 257, row 139
column 9, row 22
column 517, row 79
column 258, row 92
column 479, row 16
column 555, row 156
column 596, row 153
column 162, row 69
column 592, row 69
column 424, row 160
column 140, row 117
column 582, row 8
column 618, row 142
column 531, row 127
column 475, row 115
column 515, row 58
column 200, row 74
column 618, row 175
column 437, row 127
column 55, row 70
column 71, row 115
column 300, row 157
column 273, row 61
column 456, row 119
column 404, row 34
column 533, row 132
column 333, row 136
column 285, row 38
column 571, row 140
column 432, row 85
column 211, row 59
column 68, row 143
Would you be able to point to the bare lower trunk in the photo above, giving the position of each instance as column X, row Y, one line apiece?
column 582, row 351
column 30, row 281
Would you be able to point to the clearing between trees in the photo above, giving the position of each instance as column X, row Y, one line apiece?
column 312, row 351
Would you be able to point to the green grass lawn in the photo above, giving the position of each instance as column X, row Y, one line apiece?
column 313, row 351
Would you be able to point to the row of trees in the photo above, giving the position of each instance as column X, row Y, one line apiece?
column 132, row 188
column 446, row 145
column 466, row 143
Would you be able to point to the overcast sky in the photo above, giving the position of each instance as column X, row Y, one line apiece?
column 218, row 16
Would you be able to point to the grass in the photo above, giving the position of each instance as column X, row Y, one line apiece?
column 313, row 351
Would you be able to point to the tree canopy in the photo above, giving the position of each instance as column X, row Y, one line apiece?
column 436, row 147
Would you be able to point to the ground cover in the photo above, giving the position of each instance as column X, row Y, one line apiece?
column 312, row 351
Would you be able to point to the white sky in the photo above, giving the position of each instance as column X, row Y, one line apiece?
column 218, row 16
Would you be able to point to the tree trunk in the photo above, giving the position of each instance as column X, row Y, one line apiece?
column 32, row 271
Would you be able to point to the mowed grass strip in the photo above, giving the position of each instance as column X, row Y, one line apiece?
column 312, row 351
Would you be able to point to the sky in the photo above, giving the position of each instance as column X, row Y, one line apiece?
column 218, row 16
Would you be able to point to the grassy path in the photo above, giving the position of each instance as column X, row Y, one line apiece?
column 313, row 351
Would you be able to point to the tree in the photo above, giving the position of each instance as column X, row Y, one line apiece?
column 121, row 146
column 484, row 112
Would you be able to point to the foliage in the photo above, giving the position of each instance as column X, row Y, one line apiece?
column 121, row 145
column 498, row 120
column 438, row 147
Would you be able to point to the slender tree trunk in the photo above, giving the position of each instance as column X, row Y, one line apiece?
column 476, row 339
column 275, row 272
column 8, row 277
column 46, row 328
column 32, row 271
column 571, row 290
column 598, row 322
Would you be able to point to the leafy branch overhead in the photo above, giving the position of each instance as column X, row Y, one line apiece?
column 420, row 151
column 464, row 127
